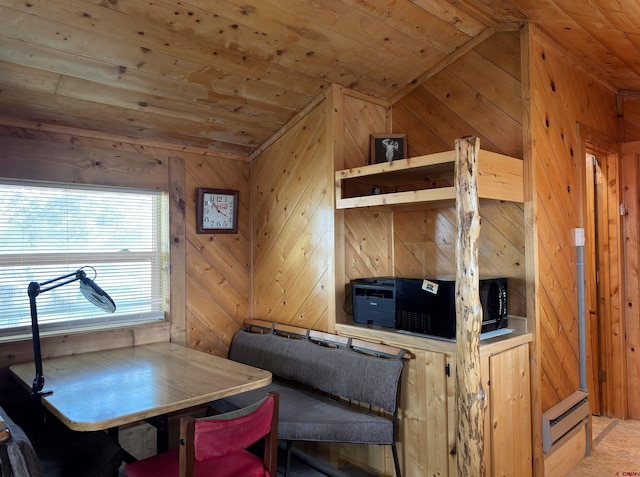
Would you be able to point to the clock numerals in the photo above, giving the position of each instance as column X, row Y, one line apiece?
column 217, row 211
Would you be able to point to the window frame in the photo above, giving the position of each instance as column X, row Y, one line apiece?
column 159, row 260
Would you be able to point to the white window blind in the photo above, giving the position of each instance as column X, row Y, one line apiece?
column 48, row 231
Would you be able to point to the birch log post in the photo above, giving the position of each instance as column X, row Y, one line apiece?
column 470, row 395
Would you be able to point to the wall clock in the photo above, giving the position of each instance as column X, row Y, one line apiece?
column 217, row 211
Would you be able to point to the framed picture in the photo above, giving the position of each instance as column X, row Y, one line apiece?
column 388, row 147
column 217, row 211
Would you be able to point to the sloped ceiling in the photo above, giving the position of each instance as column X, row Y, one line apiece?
column 226, row 75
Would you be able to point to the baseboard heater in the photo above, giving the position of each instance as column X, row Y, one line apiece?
column 564, row 417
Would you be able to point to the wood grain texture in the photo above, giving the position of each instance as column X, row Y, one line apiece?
column 629, row 111
column 228, row 75
column 210, row 297
column 218, row 265
column 631, row 200
column 510, row 405
column 423, row 244
column 557, row 201
column 293, row 226
column 134, row 383
column 428, row 407
column 456, row 103
column 470, row 394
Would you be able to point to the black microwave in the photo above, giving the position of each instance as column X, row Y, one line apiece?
column 428, row 306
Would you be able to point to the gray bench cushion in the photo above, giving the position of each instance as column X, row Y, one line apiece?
column 305, row 416
column 336, row 371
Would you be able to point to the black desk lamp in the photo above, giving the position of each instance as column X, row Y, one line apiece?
column 91, row 292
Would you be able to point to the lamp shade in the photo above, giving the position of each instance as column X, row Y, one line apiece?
column 96, row 295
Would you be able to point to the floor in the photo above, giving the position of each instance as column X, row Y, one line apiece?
column 615, row 450
column 303, row 465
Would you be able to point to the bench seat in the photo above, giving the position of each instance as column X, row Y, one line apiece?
column 307, row 416
column 331, row 389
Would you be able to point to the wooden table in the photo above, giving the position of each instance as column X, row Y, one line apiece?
column 106, row 389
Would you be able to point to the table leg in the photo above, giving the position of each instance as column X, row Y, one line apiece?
column 126, row 457
column 161, row 423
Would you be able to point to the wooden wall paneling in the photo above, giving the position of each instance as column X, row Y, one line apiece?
column 62, row 154
column 497, row 131
column 531, row 247
column 21, row 350
column 560, row 462
column 342, row 142
column 39, row 155
column 68, row 163
column 423, row 246
column 98, row 117
column 177, row 250
column 368, row 244
column 557, row 262
column 218, row 265
column 293, row 229
column 360, row 119
column 559, row 365
column 502, row 249
column 479, row 95
column 631, row 117
column 503, row 50
column 630, row 175
column 561, row 96
column 61, row 133
column 366, row 237
column 493, row 84
column 424, row 120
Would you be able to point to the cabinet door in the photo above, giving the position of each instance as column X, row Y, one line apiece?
column 426, row 415
column 510, row 413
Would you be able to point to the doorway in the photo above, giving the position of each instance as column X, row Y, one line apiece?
column 604, row 286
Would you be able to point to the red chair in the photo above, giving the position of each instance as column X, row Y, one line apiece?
column 216, row 446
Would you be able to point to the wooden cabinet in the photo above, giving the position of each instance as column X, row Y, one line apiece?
column 428, row 411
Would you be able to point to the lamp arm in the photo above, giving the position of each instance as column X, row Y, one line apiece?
column 38, row 380
column 33, row 291
column 89, row 289
column 79, row 275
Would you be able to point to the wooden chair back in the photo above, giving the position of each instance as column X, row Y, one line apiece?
column 189, row 427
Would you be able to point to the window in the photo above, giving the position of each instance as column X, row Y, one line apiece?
column 48, row 231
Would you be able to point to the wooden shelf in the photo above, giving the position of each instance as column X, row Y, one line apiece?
column 426, row 179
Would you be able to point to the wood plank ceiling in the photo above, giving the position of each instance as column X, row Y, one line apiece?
column 226, row 75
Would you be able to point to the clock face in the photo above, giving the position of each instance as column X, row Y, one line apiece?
column 217, row 211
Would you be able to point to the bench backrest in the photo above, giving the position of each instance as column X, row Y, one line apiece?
column 335, row 370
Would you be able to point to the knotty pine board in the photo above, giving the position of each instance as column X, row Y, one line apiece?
column 454, row 104
column 630, row 198
column 560, row 96
column 293, row 225
column 215, row 297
